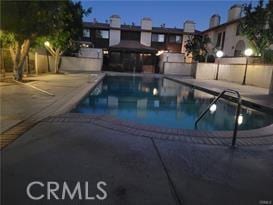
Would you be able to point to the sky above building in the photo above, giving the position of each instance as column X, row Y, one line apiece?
column 171, row 13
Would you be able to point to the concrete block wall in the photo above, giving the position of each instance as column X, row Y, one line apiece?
column 81, row 64
column 187, row 69
column 231, row 73
column 206, row 71
column 257, row 75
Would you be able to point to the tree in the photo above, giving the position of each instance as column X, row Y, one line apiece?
column 22, row 22
column 67, row 27
column 197, row 46
column 256, row 26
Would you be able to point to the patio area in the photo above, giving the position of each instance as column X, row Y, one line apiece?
column 137, row 170
column 139, row 166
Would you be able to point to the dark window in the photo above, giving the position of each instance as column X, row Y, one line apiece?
column 102, row 34
column 147, row 59
column 223, row 40
column 130, row 35
column 158, row 38
column 115, row 57
column 175, row 39
column 218, row 43
column 238, row 30
column 86, row 33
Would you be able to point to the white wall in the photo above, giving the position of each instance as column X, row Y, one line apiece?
column 206, row 71
column 81, row 64
column 145, row 37
column 91, row 53
column 114, row 37
column 170, row 57
column 231, row 73
column 68, row 64
column 257, row 75
column 179, row 68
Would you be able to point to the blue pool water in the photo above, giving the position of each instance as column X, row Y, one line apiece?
column 165, row 103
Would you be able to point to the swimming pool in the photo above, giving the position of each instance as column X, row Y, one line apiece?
column 165, row 103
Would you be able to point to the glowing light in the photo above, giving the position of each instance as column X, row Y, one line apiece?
column 105, row 52
column 155, row 91
column 240, row 119
column 47, row 44
column 160, row 52
column 212, row 108
column 219, row 54
column 248, row 52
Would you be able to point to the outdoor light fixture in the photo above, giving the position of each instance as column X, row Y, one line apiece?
column 47, row 44
column 219, row 54
column 213, row 108
column 248, row 52
column 155, row 91
column 240, row 119
column 160, row 52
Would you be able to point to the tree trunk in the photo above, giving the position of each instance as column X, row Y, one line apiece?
column 57, row 58
column 18, row 54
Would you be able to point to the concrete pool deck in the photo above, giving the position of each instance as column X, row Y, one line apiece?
column 138, row 169
column 252, row 94
column 22, row 106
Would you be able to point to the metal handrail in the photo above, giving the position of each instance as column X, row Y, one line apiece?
column 239, row 101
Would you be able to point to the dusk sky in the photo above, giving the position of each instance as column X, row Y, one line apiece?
column 172, row 13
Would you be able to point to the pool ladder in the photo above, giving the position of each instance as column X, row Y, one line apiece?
column 239, row 102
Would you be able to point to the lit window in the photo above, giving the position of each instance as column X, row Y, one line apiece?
column 102, row 34
column 86, row 33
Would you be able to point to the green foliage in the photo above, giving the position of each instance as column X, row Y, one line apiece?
column 6, row 39
column 67, row 26
column 257, row 26
column 27, row 19
column 197, row 46
column 268, row 56
column 210, row 59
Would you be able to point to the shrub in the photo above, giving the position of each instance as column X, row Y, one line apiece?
column 268, row 56
column 210, row 59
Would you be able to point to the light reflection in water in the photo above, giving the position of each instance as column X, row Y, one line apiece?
column 163, row 102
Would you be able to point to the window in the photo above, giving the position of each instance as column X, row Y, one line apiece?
column 158, row 38
column 175, row 39
column 104, row 34
column 86, row 33
column 223, row 40
column 130, row 35
column 238, row 30
column 218, row 43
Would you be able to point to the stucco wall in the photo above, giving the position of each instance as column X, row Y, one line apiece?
column 179, row 68
column 145, row 38
column 68, row 64
column 81, row 64
column 231, row 73
column 114, row 37
column 257, row 75
column 206, row 71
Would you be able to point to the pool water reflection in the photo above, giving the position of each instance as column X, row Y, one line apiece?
column 165, row 103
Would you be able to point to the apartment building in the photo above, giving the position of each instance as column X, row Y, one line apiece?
column 227, row 36
column 135, row 47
